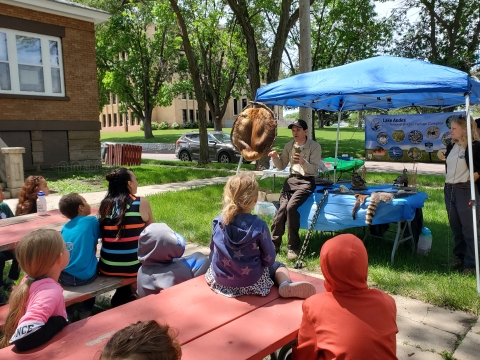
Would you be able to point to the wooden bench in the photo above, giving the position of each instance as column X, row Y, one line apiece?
column 198, row 314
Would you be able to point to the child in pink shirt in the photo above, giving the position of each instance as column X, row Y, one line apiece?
column 35, row 318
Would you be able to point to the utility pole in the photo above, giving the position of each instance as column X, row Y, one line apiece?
column 305, row 54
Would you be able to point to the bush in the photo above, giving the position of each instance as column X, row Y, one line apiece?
column 187, row 125
column 155, row 125
column 210, row 124
column 141, row 126
column 163, row 125
column 175, row 125
column 195, row 125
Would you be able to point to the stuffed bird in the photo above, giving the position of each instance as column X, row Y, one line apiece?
column 402, row 180
column 357, row 182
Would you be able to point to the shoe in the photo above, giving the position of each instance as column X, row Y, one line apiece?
column 300, row 289
column 469, row 271
column 292, row 255
column 456, row 264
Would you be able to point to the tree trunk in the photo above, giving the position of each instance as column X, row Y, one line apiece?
column 360, row 118
column 217, row 121
column 147, row 124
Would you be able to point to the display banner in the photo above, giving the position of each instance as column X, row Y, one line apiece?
column 408, row 138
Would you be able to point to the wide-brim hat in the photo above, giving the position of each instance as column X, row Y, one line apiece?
column 254, row 131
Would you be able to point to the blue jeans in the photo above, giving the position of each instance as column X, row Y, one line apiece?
column 69, row 280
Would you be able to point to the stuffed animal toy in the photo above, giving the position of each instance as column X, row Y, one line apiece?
column 254, row 132
column 357, row 182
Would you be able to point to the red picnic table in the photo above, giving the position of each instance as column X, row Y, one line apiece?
column 12, row 230
column 209, row 325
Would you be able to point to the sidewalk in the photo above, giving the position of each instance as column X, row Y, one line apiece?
column 425, row 331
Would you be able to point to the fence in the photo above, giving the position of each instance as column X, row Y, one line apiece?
column 122, row 154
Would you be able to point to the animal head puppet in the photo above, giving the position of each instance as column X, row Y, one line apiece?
column 254, row 132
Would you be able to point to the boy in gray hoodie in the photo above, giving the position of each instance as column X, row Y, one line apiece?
column 159, row 251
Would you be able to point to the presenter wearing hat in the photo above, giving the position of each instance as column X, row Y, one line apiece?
column 304, row 156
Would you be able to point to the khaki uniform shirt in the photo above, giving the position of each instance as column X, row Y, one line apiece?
column 311, row 153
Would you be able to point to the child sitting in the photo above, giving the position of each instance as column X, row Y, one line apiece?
column 242, row 251
column 81, row 233
column 37, row 308
column 349, row 321
column 159, row 251
column 14, row 272
column 27, row 200
column 143, row 341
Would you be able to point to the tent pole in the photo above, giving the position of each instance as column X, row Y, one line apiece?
column 472, row 188
column 239, row 163
column 336, row 147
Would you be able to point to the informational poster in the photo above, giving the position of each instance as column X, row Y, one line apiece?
column 408, row 138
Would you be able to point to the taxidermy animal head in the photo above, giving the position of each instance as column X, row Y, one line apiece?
column 254, row 132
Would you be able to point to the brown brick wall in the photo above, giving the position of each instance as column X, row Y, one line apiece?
column 78, row 48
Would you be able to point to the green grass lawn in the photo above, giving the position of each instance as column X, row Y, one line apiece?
column 351, row 140
column 83, row 182
column 421, row 277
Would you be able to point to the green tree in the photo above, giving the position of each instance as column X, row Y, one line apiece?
column 445, row 32
column 137, row 56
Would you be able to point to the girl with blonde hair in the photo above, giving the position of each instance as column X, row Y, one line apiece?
column 37, row 308
column 242, row 252
column 458, row 194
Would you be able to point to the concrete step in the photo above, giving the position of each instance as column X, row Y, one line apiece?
column 6, row 192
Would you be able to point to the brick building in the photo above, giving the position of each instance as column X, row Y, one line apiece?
column 48, row 80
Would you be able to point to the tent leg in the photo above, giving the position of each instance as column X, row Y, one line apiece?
column 336, row 147
column 472, row 189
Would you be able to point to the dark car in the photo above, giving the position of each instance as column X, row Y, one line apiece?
column 220, row 148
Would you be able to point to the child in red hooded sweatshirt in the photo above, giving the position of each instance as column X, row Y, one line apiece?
column 349, row 321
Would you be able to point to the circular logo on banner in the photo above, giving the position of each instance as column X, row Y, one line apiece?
column 376, row 125
column 398, row 135
column 449, row 120
column 414, row 153
column 378, row 152
column 433, row 132
column 446, row 138
column 382, row 138
column 395, row 153
column 415, row 137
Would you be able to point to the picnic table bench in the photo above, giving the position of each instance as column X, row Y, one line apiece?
column 209, row 325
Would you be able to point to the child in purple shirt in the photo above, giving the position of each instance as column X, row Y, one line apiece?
column 242, row 252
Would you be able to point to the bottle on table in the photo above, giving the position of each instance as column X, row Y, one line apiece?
column 424, row 241
column 41, row 203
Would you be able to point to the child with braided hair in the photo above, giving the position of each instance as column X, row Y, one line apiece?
column 242, row 252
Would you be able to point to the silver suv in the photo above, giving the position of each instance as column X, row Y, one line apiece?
column 220, row 148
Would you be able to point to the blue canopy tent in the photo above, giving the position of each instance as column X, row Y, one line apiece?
column 382, row 82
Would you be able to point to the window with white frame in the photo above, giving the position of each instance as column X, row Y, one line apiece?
column 30, row 64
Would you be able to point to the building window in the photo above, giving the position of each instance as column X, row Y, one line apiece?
column 123, row 55
column 196, row 114
column 184, row 116
column 235, row 106
column 114, row 99
column 121, row 119
column 104, row 120
column 30, row 64
column 190, row 95
column 210, row 116
column 244, row 103
column 191, row 116
column 126, row 119
column 109, row 120
column 114, row 119
column 184, row 95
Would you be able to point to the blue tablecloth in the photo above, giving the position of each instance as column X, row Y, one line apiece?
column 336, row 212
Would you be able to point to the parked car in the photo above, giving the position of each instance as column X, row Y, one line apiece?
column 220, row 147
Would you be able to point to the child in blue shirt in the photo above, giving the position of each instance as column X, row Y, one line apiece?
column 81, row 234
